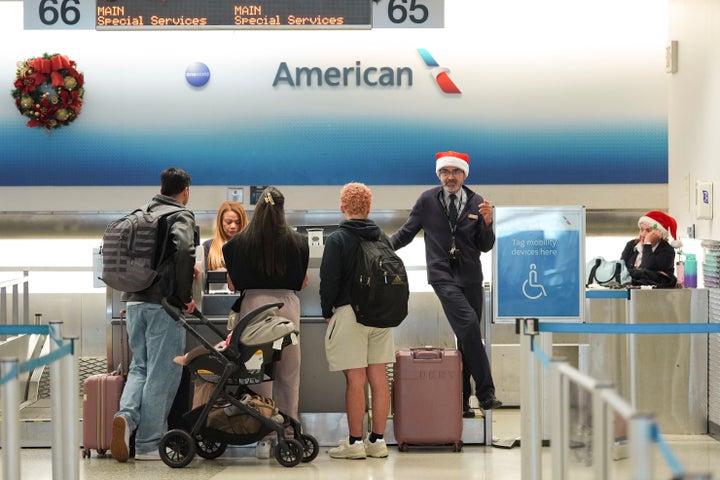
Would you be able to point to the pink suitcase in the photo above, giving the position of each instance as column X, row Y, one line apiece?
column 427, row 397
column 101, row 401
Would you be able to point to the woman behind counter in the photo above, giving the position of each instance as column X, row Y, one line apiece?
column 650, row 258
column 231, row 219
column 268, row 261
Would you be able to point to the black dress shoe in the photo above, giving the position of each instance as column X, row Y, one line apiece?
column 468, row 412
column 490, row 403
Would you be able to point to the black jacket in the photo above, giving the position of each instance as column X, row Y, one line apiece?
column 176, row 267
column 338, row 261
column 472, row 237
column 660, row 260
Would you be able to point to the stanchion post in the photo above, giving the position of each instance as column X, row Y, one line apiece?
column 559, row 429
column 71, row 431
column 26, row 296
column 10, row 392
column 640, row 447
column 603, row 432
column 530, row 375
column 488, row 312
column 56, row 410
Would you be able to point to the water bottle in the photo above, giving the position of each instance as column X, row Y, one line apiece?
column 690, row 280
column 680, row 272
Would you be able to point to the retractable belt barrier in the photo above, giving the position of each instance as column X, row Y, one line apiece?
column 653, row 431
column 63, row 384
column 625, row 328
column 34, row 363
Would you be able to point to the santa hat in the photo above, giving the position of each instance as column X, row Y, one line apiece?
column 663, row 222
column 452, row 159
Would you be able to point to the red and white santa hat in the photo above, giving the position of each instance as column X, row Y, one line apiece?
column 452, row 159
column 663, row 222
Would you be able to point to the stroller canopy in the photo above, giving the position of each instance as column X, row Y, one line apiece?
column 263, row 325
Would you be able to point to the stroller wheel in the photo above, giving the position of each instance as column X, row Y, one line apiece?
column 208, row 449
column 311, row 447
column 289, row 452
column 177, row 448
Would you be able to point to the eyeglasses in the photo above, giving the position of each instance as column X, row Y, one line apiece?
column 446, row 173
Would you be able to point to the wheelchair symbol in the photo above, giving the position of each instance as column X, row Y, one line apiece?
column 532, row 281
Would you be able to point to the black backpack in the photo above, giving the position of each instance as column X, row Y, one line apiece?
column 129, row 251
column 380, row 290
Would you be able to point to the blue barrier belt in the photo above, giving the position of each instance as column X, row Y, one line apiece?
column 541, row 355
column 670, row 459
column 34, row 363
column 24, row 329
column 655, row 328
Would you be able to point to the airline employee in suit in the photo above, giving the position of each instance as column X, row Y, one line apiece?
column 457, row 224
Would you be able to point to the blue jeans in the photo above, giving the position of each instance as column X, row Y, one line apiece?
column 154, row 339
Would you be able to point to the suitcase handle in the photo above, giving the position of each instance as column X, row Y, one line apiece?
column 426, row 353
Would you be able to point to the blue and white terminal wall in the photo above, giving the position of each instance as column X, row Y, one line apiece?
column 558, row 92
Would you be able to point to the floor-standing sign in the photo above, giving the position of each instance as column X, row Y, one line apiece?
column 538, row 267
column 538, row 263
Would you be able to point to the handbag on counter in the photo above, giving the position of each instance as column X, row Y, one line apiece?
column 607, row 273
column 643, row 276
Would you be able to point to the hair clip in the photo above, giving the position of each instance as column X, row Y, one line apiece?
column 269, row 199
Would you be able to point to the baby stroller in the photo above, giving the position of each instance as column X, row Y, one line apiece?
column 248, row 358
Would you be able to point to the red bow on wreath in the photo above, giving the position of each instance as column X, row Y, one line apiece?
column 49, row 90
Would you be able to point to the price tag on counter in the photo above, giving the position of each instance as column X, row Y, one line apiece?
column 409, row 14
column 59, row 14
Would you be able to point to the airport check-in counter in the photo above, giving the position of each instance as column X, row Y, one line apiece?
column 322, row 393
column 661, row 374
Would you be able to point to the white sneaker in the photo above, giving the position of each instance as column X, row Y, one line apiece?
column 356, row 451
column 262, row 449
column 151, row 455
column 377, row 449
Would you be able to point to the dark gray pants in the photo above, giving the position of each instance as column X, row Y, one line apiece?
column 463, row 309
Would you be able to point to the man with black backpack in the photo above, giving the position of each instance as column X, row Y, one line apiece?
column 154, row 337
column 457, row 223
column 358, row 350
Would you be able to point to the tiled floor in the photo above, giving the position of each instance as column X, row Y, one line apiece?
column 698, row 454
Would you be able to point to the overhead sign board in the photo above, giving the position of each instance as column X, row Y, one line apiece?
column 413, row 14
column 223, row 14
column 59, row 14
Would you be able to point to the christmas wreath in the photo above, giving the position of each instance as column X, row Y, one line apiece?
column 49, row 90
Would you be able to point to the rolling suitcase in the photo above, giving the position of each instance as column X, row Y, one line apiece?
column 101, row 401
column 427, row 397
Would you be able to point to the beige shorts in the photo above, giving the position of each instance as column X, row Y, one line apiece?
column 349, row 344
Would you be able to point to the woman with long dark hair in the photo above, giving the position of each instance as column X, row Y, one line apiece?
column 268, row 261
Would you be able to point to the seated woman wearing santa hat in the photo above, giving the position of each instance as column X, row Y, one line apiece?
column 650, row 258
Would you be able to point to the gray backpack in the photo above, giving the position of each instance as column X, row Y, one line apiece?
column 130, row 252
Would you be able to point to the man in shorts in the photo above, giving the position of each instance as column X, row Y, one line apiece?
column 360, row 352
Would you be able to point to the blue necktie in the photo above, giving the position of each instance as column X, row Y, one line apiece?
column 453, row 212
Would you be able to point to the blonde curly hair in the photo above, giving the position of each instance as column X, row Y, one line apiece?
column 355, row 199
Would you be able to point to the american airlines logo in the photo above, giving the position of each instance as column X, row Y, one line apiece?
column 440, row 74
column 359, row 75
